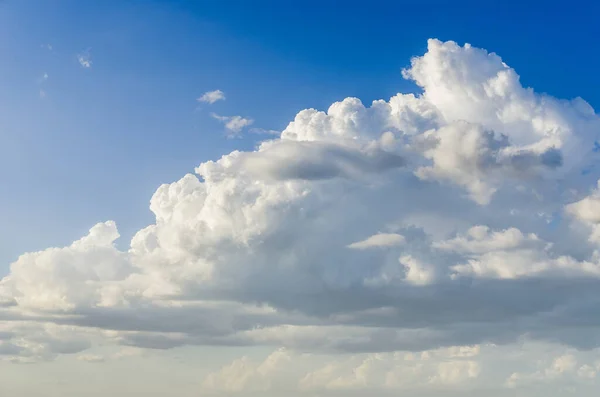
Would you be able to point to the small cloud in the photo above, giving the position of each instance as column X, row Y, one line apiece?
column 47, row 46
column 85, row 59
column 90, row 358
column 43, row 78
column 380, row 240
column 212, row 96
column 41, row 81
column 263, row 131
column 233, row 124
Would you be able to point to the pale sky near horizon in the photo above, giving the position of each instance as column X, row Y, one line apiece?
column 264, row 199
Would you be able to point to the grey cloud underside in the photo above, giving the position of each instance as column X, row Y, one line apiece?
column 415, row 319
column 316, row 160
column 453, row 217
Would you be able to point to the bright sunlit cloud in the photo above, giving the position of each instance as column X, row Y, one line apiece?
column 310, row 247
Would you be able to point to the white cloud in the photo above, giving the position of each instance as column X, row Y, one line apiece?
column 510, row 254
column 286, row 371
column 560, row 367
column 85, row 59
column 587, row 371
column 416, row 272
column 234, row 124
column 212, row 96
column 480, row 239
column 379, row 240
column 454, row 371
column 69, row 277
column 586, row 211
column 42, row 80
column 244, row 375
column 271, row 247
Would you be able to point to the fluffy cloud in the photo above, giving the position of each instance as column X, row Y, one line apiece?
column 285, row 371
column 212, row 96
column 414, row 224
column 559, row 368
column 587, row 211
column 456, row 371
column 244, row 375
column 233, row 124
column 70, row 277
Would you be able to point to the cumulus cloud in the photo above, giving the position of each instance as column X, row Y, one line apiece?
column 454, row 371
column 586, row 211
column 233, row 124
column 71, row 276
column 480, row 239
column 211, row 97
column 425, row 222
column 245, row 375
column 285, row 370
column 561, row 367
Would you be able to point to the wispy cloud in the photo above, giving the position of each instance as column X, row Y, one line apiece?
column 212, row 96
column 234, row 124
column 41, row 81
column 85, row 59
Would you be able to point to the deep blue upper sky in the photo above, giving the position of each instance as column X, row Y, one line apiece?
column 101, row 141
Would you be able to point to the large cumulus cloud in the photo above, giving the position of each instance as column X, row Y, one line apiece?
column 451, row 217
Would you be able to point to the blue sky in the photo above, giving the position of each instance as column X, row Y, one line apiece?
column 420, row 244
column 151, row 59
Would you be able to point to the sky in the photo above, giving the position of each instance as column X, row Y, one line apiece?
column 272, row 198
